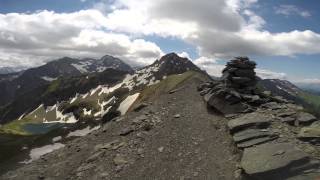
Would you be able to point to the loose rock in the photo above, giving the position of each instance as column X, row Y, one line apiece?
column 248, row 120
column 304, row 117
column 262, row 163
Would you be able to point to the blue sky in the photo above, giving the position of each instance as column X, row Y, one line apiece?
column 281, row 35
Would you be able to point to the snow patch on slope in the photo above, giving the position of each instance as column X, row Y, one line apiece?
column 82, row 132
column 68, row 118
column 80, row 67
column 47, row 78
column 126, row 104
column 36, row 153
column 87, row 112
column 102, row 105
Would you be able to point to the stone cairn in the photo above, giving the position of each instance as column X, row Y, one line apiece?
column 236, row 91
column 239, row 74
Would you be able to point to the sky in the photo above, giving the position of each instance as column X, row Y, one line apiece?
column 282, row 36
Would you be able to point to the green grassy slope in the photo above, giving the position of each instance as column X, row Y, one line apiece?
column 312, row 102
column 170, row 83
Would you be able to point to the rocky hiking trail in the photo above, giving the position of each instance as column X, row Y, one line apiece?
column 277, row 138
column 174, row 137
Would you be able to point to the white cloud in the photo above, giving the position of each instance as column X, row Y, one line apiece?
column 184, row 55
column 268, row 74
column 308, row 81
column 289, row 10
column 214, row 68
column 219, row 28
column 32, row 39
column 210, row 65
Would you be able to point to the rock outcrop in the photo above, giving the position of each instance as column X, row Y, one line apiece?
column 279, row 140
column 236, row 92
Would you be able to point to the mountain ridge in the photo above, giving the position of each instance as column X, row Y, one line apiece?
column 156, row 113
column 13, row 85
column 290, row 91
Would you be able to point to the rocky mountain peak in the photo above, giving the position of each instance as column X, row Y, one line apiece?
column 7, row 70
column 113, row 62
column 172, row 59
column 171, row 56
column 173, row 64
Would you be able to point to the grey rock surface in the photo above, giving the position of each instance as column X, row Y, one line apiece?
column 249, row 120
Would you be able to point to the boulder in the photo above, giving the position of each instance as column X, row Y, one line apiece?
column 277, row 161
column 289, row 120
column 304, row 117
column 279, row 99
column 245, row 73
column 249, row 134
column 309, row 132
column 256, row 141
column 286, row 114
column 254, row 99
column 312, row 131
column 240, row 80
column 232, row 99
column 205, row 91
column 226, row 107
column 272, row 106
column 207, row 85
column 208, row 96
column 254, row 119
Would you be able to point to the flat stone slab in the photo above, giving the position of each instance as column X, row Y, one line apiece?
column 251, row 119
column 272, row 105
column 288, row 119
column 276, row 161
column 286, row 114
column 304, row 117
column 309, row 132
column 224, row 106
column 256, row 141
column 251, row 134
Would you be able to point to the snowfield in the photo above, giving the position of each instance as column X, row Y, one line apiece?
column 36, row 153
column 82, row 132
column 53, row 114
column 46, row 78
column 126, row 104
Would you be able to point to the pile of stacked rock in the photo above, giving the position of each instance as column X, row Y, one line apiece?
column 236, row 91
column 239, row 74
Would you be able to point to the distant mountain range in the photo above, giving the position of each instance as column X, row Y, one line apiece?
column 66, row 78
column 7, row 70
column 309, row 99
column 16, row 84
column 310, row 87
column 61, row 79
